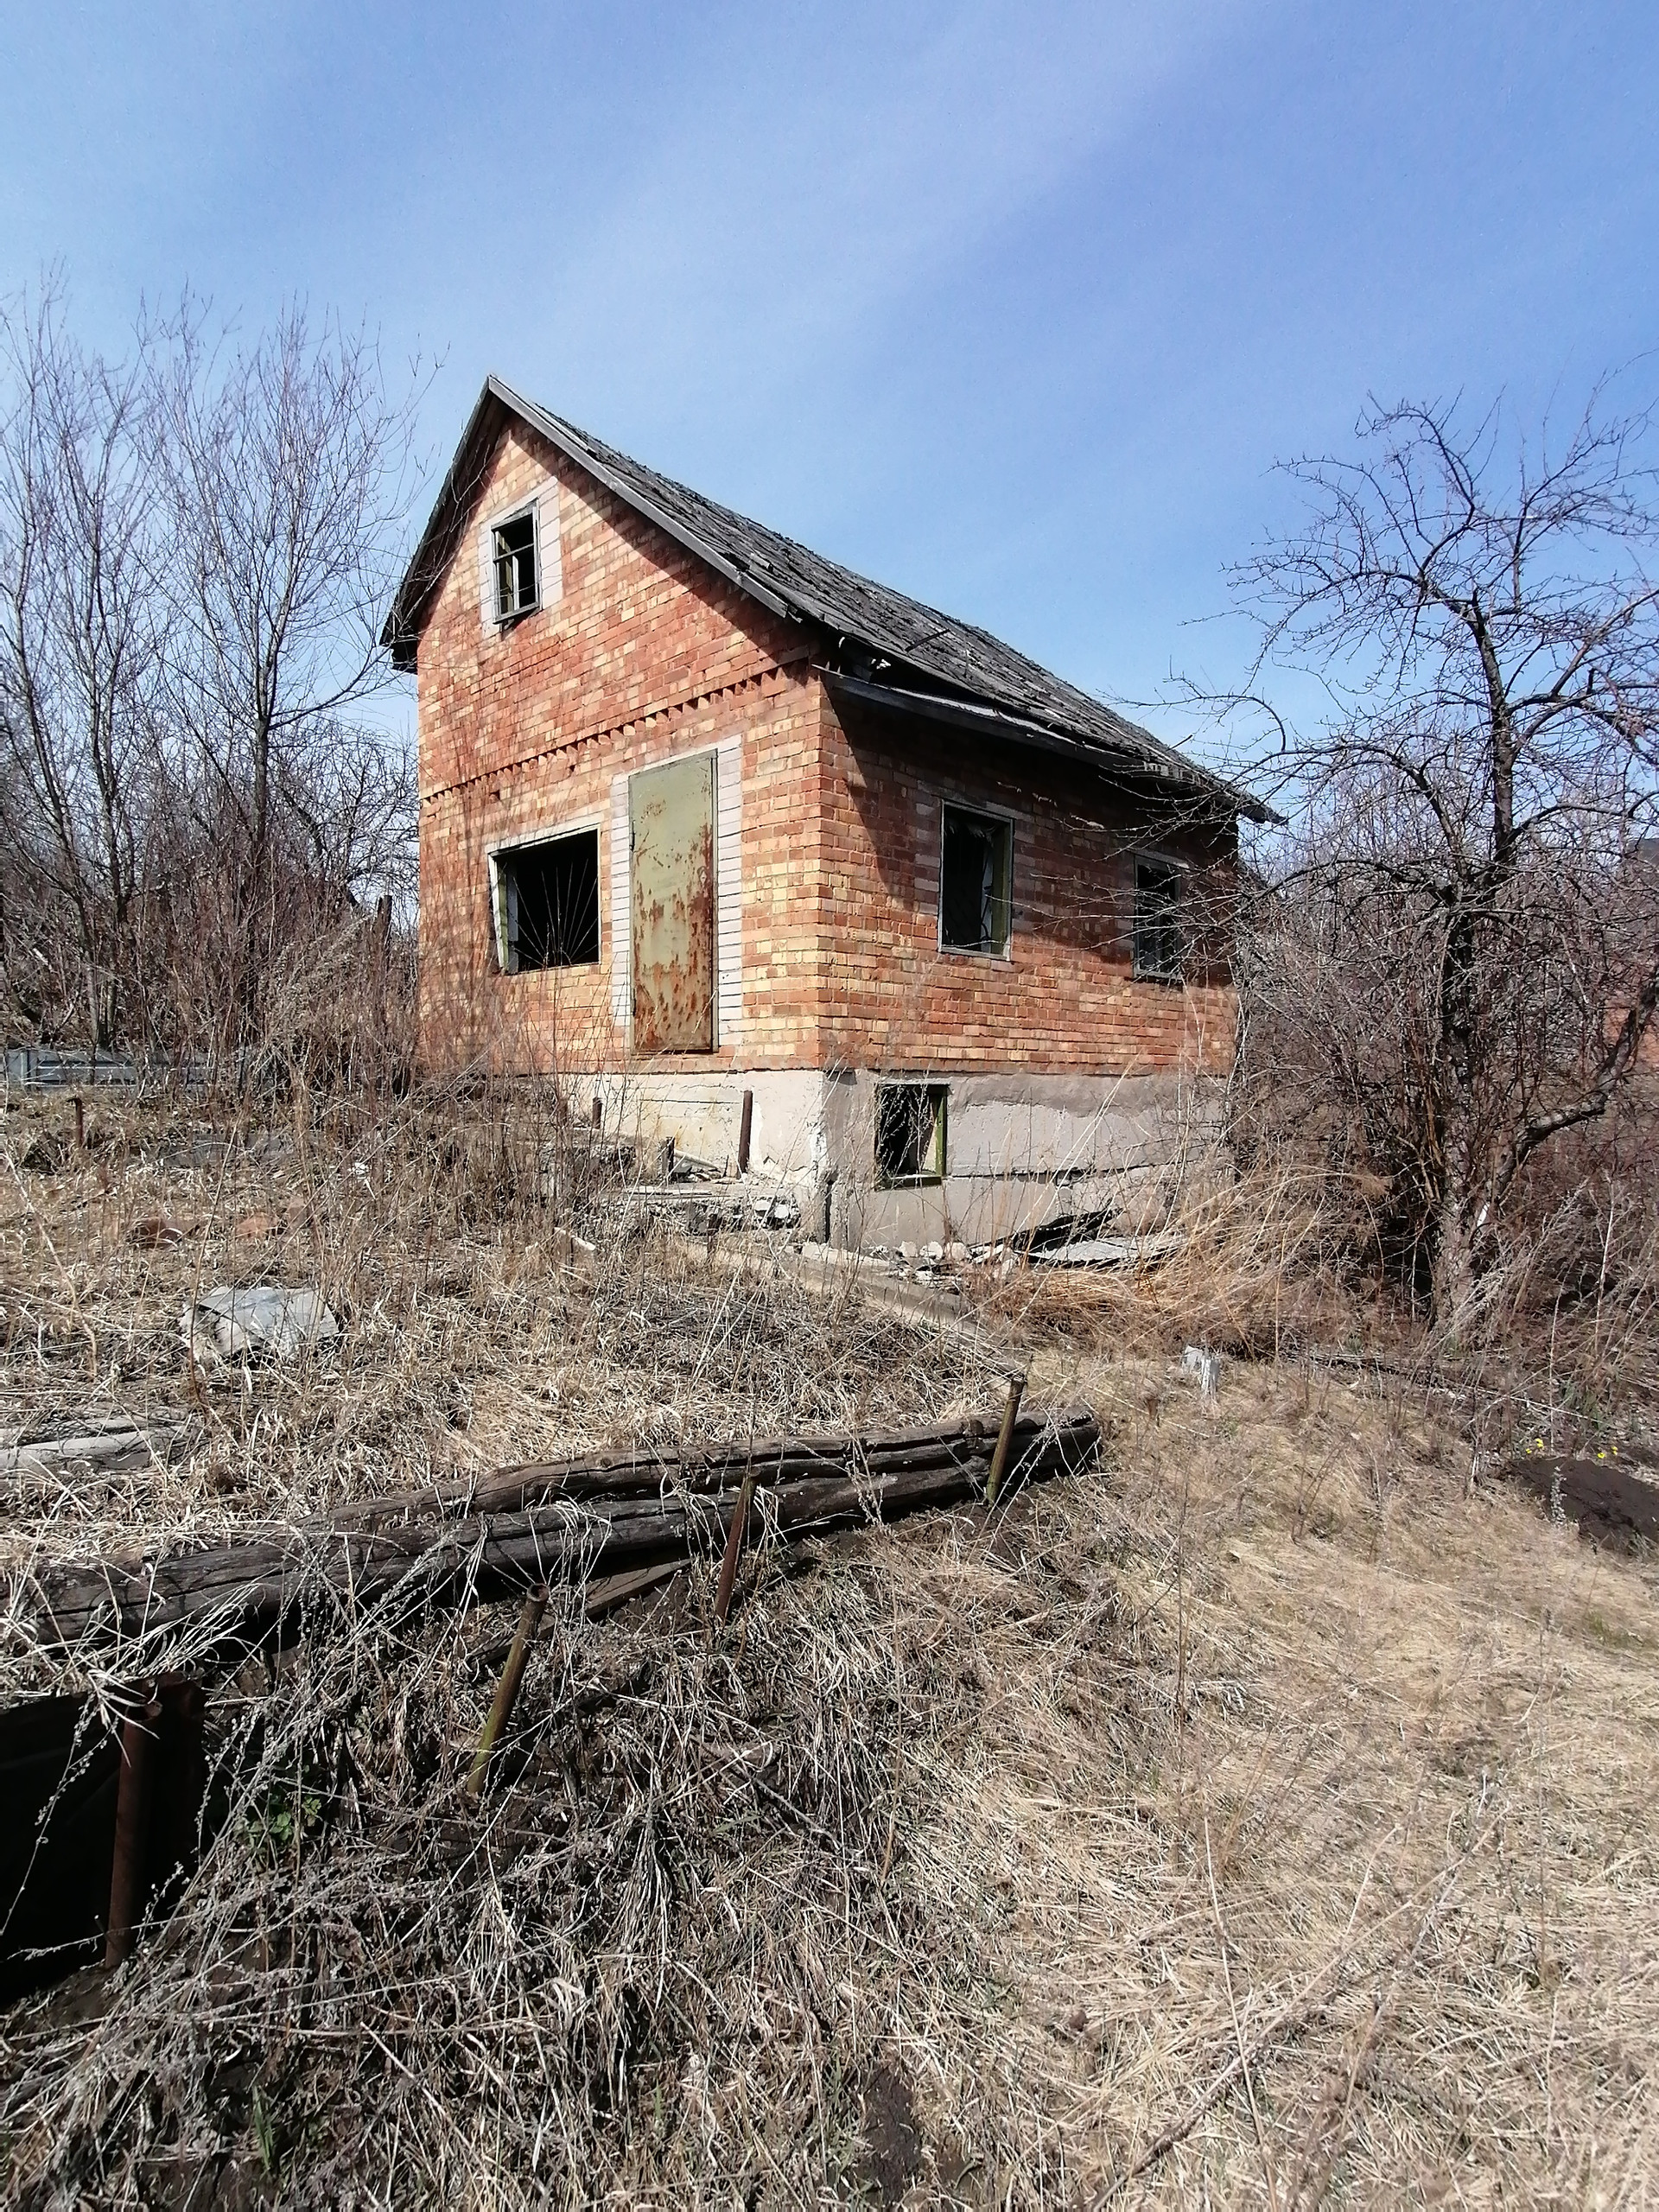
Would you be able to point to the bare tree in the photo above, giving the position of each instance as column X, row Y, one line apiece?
column 79, row 636
column 1460, row 946
column 290, row 473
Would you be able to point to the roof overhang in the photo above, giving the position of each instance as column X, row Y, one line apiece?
column 1204, row 788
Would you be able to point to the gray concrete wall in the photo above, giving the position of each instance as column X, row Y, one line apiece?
column 1020, row 1148
column 703, row 1113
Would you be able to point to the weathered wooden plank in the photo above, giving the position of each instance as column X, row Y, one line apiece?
column 243, row 1591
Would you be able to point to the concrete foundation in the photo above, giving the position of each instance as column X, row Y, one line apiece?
column 1020, row 1149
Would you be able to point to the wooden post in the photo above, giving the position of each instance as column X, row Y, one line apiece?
column 127, row 1871
column 745, row 1130
column 506, row 1695
column 598, row 1114
column 734, row 1546
column 1004, row 1438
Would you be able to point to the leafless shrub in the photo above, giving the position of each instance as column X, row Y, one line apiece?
column 194, row 547
column 1455, row 955
column 287, row 468
column 82, row 552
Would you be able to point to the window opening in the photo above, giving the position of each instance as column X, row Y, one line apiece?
column 515, row 580
column 549, row 895
column 910, row 1132
column 977, row 864
column 1157, row 900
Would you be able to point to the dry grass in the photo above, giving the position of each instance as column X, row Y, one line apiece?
column 1267, row 1818
column 466, row 1344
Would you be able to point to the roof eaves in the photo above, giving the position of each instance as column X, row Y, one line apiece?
column 1157, row 765
column 406, row 618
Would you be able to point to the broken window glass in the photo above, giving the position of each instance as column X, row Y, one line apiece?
column 1159, row 949
column 909, row 1133
column 549, row 897
column 515, row 566
column 976, row 866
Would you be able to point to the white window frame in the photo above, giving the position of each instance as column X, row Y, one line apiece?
column 542, row 506
column 532, row 507
column 989, row 814
column 519, row 841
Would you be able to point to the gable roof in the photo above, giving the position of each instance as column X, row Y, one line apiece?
column 904, row 655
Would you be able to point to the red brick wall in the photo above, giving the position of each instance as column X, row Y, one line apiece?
column 1067, row 997
column 647, row 653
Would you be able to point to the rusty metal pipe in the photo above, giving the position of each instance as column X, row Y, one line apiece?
column 1005, row 1439
column 127, row 1871
column 507, row 1693
column 733, row 1545
column 744, row 1129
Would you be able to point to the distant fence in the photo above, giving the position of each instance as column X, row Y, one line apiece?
column 36, row 1067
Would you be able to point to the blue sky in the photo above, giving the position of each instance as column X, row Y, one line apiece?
column 1012, row 307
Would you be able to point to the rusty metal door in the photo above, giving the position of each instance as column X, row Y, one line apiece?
column 672, row 843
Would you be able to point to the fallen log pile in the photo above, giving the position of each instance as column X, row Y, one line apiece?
column 124, row 1810
column 528, row 1526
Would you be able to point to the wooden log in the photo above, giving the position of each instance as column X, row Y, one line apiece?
column 241, row 1591
column 644, row 1473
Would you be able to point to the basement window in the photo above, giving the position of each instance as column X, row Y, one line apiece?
column 1159, row 889
column 547, row 903
column 516, row 579
column 910, row 1121
column 975, row 870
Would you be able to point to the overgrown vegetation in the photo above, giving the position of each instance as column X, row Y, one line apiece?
column 1452, row 961
column 196, row 545
column 1265, row 1814
column 1263, row 1817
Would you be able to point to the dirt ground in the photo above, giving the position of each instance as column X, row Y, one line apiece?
column 1266, row 1818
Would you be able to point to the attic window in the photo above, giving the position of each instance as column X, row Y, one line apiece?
column 976, row 872
column 1159, row 885
column 909, row 1133
column 547, row 903
column 517, row 583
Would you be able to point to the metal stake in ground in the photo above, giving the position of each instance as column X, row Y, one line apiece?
column 733, row 1545
column 138, row 1735
column 1000, row 1457
column 506, row 1696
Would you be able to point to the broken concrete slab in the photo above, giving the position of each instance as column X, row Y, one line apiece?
column 720, row 1205
column 230, row 1323
column 1111, row 1251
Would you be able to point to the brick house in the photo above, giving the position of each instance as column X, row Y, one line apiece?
column 703, row 814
